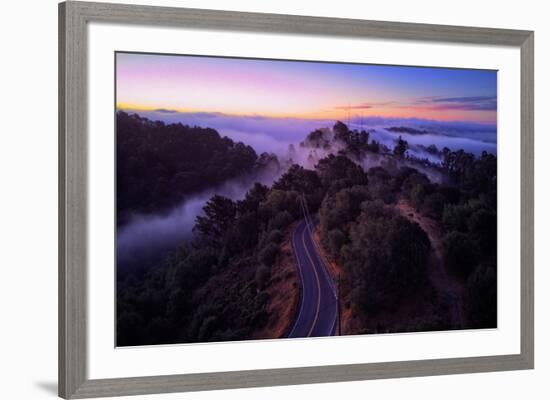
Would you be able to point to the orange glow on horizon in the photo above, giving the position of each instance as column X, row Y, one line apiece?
column 301, row 89
column 340, row 113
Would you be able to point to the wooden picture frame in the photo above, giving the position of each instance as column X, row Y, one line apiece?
column 73, row 20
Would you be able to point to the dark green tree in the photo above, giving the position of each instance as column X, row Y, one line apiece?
column 461, row 253
column 401, row 147
column 219, row 215
column 252, row 199
column 299, row 179
column 481, row 298
column 337, row 172
column 341, row 132
column 268, row 254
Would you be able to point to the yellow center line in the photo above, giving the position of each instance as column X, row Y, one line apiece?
column 318, row 282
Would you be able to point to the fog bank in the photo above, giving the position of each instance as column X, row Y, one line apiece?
column 275, row 134
column 145, row 239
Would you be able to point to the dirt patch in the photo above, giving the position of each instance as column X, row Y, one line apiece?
column 448, row 288
column 431, row 227
column 284, row 293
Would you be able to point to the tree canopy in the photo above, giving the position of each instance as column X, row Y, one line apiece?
column 159, row 164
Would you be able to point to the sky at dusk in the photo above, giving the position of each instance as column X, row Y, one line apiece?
column 307, row 90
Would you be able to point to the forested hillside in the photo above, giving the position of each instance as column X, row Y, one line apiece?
column 158, row 164
column 217, row 286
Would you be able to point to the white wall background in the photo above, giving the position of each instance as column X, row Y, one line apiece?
column 28, row 198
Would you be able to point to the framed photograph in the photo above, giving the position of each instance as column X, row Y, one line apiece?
column 253, row 200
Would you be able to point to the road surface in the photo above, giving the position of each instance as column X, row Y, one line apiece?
column 317, row 311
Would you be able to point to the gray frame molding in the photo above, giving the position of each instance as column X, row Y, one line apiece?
column 73, row 20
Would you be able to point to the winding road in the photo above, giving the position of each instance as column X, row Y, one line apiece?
column 318, row 311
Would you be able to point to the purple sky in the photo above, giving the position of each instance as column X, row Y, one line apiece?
column 307, row 90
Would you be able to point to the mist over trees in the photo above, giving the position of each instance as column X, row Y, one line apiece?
column 215, row 286
column 159, row 164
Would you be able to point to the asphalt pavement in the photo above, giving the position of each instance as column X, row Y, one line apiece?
column 317, row 311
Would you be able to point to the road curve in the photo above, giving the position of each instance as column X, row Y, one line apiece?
column 317, row 312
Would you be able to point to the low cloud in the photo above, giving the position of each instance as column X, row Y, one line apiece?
column 474, row 103
column 355, row 107
column 471, row 103
column 273, row 135
column 165, row 111
column 246, row 128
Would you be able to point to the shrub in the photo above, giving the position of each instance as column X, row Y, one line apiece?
column 481, row 298
column 279, row 200
column 482, row 226
column 409, row 252
column 408, row 178
column 336, row 240
column 281, row 220
column 380, row 186
column 207, row 328
column 268, row 254
column 434, row 205
column 455, row 217
column 275, row 236
column 263, row 273
column 461, row 253
column 417, row 195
